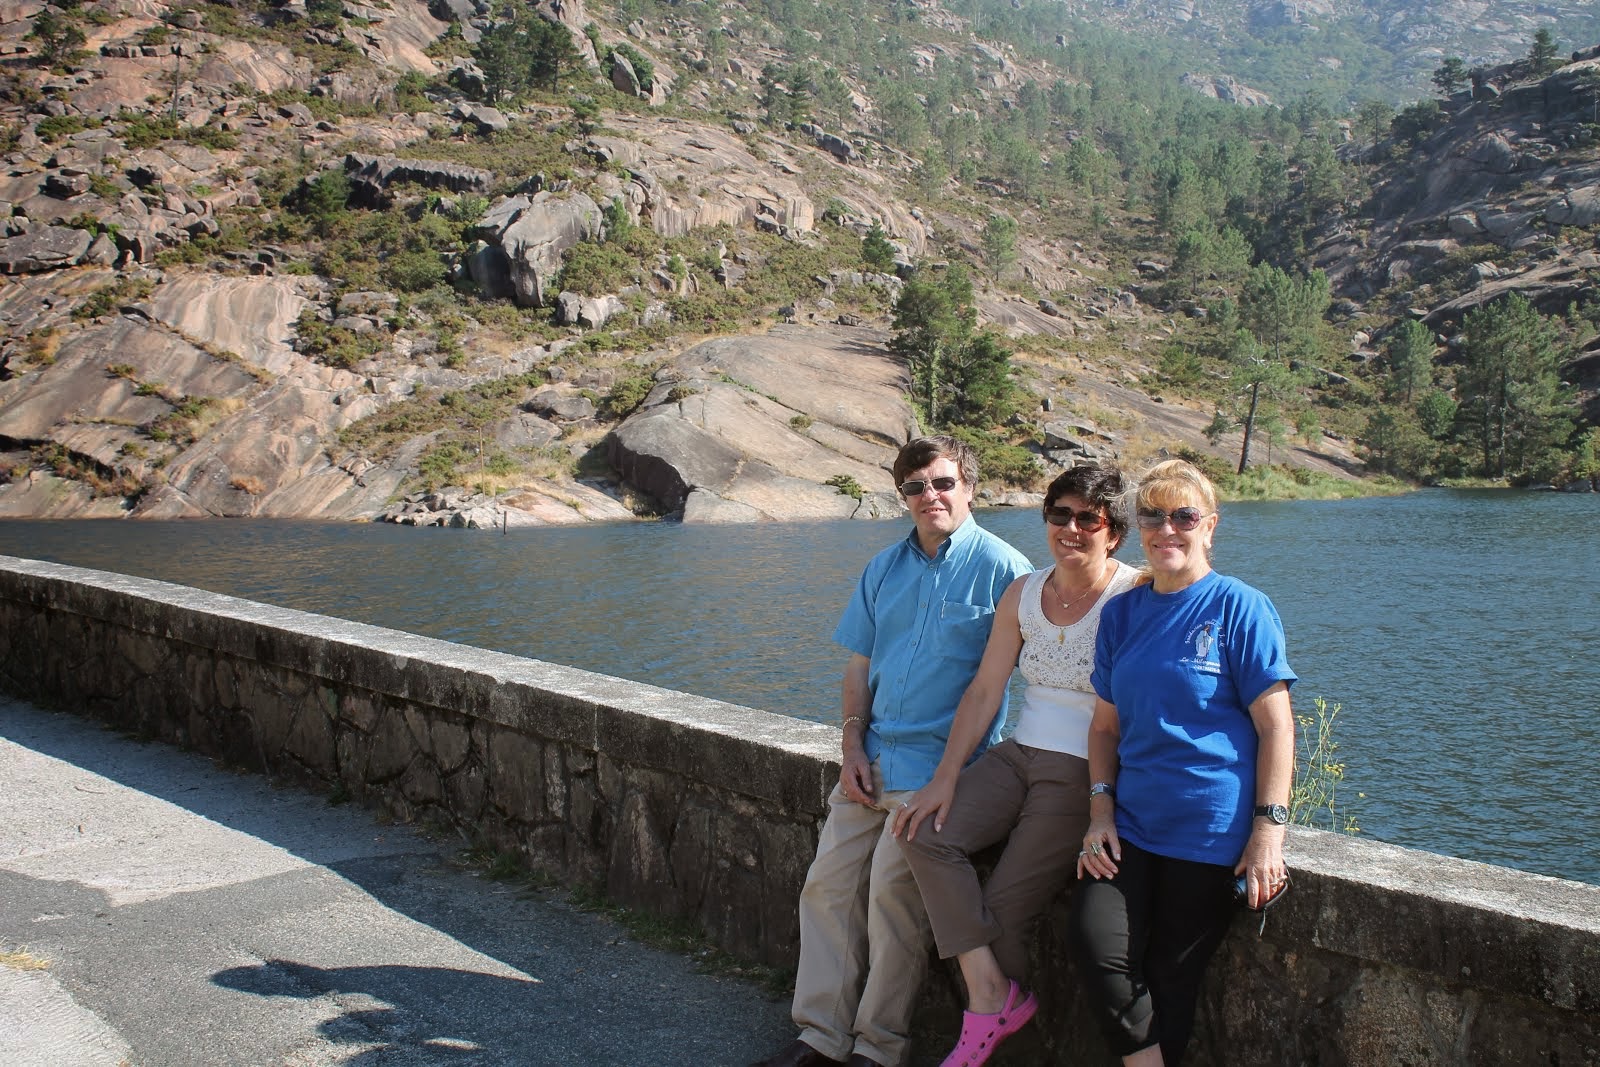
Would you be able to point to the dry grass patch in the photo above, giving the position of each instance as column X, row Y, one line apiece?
column 23, row 960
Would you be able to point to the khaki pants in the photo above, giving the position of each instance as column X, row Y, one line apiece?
column 863, row 936
column 1037, row 798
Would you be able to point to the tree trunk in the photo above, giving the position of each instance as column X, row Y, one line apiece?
column 1249, row 426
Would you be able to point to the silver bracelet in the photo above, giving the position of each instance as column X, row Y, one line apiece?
column 1103, row 787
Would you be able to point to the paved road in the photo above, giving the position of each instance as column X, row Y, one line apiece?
column 188, row 915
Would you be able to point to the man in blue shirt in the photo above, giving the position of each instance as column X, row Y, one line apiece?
column 915, row 628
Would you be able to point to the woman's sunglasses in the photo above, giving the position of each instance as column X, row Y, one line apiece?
column 1183, row 519
column 918, row 486
column 1088, row 521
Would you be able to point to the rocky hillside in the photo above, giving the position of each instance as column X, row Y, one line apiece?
column 1503, row 197
column 284, row 260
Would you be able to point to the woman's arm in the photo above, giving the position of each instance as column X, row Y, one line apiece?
column 974, row 715
column 1262, row 862
column 1101, row 848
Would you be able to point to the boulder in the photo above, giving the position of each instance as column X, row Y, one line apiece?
column 1577, row 207
column 489, row 267
column 65, row 184
column 1495, row 155
column 43, row 248
column 704, row 506
column 452, row 10
column 523, row 431
column 486, row 119
column 591, row 313
column 377, row 173
column 534, row 232
column 1226, row 89
column 368, row 303
column 555, row 404
column 667, row 457
column 624, row 78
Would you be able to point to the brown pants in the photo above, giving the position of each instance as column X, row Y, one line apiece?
column 1037, row 798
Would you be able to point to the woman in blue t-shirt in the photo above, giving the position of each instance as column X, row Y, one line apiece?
column 1191, row 753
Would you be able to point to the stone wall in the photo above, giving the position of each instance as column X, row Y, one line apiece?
column 707, row 811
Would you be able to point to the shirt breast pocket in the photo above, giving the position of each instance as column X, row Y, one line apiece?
column 964, row 630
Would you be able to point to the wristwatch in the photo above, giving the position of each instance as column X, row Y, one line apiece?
column 1276, row 812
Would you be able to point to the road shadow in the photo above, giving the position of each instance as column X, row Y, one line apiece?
column 587, row 993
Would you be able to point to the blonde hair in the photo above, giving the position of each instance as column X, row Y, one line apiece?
column 1172, row 483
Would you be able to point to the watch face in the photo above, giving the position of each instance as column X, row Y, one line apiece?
column 1278, row 814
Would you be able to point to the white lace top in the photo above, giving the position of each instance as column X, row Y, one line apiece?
column 1056, row 662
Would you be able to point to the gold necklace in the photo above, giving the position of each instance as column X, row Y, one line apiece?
column 1061, row 638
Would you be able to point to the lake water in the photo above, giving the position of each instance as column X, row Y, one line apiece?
column 1456, row 629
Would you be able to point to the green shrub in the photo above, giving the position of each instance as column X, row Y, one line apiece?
column 596, row 269
column 625, row 396
column 324, row 199
column 998, row 460
column 442, row 465
column 147, row 131
column 209, row 136
column 59, row 127
column 414, row 272
column 846, row 485
column 800, row 422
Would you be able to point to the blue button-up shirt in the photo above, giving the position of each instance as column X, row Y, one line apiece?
column 923, row 623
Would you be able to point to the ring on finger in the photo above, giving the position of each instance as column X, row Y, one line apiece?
column 1094, row 849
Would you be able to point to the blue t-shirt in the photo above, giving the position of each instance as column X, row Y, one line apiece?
column 923, row 623
column 1182, row 669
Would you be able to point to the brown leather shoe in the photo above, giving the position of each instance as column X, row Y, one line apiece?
column 799, row 1054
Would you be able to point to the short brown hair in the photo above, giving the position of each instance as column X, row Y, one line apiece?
column 921, row 451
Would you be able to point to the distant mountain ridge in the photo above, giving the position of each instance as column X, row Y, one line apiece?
column 1379, row 49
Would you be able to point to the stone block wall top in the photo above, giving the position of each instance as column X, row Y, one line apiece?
column 776, row 757
column 1467, row 923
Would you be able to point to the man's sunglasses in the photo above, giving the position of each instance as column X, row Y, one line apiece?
column 918, row 486
column 1088, row 521
column 1182, row 519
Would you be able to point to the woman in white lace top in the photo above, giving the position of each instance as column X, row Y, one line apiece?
column 1031, row 790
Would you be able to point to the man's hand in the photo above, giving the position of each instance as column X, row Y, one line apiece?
column 855, row 775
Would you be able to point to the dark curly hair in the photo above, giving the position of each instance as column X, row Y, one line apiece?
column 1100, row 485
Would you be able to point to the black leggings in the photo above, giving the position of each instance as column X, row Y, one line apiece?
column 1142, row 940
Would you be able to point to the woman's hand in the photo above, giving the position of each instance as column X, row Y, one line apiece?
column 934, row 799
column 1102, row 850
column 1262, row 864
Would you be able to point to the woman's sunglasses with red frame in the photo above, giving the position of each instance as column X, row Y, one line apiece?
column 1087, row 521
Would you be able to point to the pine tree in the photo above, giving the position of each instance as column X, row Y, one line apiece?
column 1511, row 398
column 876, row 249
column 1000, row 243
column 1542, row 55
column 1410, row 350
column 1450, row 75
column 1283, row 320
